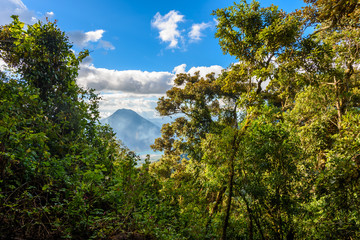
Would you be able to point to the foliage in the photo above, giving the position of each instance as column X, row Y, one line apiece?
column 266, row 144
column 269, row 149
column 63, row 175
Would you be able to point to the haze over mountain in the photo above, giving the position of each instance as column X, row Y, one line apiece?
column 136, row 132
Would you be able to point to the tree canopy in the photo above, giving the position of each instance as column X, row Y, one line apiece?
column 269, row 149
column 269, row 133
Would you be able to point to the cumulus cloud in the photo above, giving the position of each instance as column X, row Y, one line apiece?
column 180, row 69
column 133, row 89
column 206, row 70
column 49, row 14
column 135, row 81
column 168, row 27
column 196, row 31
column 202, row 70
column 93, row 36
column 84, row 39
column 131, row 81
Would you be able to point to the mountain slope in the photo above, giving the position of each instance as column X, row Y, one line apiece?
column 136, row 132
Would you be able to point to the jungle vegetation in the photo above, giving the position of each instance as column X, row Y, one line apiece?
column 269, row 149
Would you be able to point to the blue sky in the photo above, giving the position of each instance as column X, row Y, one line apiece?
column 136, row 47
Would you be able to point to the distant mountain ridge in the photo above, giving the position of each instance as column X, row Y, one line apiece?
column 136, row 132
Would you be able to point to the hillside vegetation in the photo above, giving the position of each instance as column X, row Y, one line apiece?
column 270, row 149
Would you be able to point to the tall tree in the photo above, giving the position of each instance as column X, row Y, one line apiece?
column 60, row 169
column 42, row 56
column 276, row 131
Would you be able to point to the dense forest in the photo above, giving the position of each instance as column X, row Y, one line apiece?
column 270, row 149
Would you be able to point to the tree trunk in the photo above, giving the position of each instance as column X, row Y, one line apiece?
column 235, row 146
column 231, row 183
column 215, row 208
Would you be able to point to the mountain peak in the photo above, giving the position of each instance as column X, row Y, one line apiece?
column 127, row 114
column 123, row 110
column 136, row 132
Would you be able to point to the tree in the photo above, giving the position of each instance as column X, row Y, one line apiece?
column 322, row 110
column 41, row 54
column 269, row 149
column 268, row 130
column 63, row 175
column 242, row 30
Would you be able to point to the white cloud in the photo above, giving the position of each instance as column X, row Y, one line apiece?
column 176, row 37
column 180, row 69
column 136, row 81
column 202, row 70
column 49, row 14
column 196, row 31
column 15, row 7
column 84, row 39
column 133, row 89
column 206, row 70
column 168, row 27
column 93, row 36
column 130, row 81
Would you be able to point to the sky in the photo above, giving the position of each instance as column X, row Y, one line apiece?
column 137, row 47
